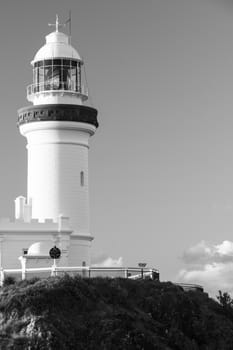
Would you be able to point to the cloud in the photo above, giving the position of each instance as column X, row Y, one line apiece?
column 204, row 253
column 214, row 277
column 107, row 261
column 210, row 266
column 197, row 253
column 226, row 248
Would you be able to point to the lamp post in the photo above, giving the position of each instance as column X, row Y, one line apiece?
column 142, row 266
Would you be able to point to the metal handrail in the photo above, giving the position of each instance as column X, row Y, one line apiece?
column 85, row 270
column 33, row 89
column 81, row 268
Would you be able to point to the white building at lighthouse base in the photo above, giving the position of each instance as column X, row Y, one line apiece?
column 29, row 240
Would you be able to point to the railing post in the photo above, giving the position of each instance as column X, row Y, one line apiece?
column 2, row 277
column 23, row 273
column 23, row 261
column 53, row 268
column 52, row 271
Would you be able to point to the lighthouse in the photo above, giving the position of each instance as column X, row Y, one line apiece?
column 57, row 127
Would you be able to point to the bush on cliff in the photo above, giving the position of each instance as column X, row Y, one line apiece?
column 101, row 313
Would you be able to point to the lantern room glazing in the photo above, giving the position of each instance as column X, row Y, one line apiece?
column 56, row 74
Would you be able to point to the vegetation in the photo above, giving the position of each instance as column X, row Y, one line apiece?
column 100, row 313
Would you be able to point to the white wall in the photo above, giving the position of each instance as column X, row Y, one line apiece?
column 57, row 154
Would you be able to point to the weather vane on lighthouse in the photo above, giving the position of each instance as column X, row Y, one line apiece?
column 57, row 24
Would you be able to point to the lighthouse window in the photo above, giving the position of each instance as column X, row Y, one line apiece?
column 57, row 62
column 48, row 62
column 66, row 63
column 79, row 77
column 82, row 178
column 56, row 78
column 35, row 75
column 74, row 78
column 51, row 78
column 66, row 78
column 57, row 74
column 47, row 76
column 40, row 75
column 40, row 63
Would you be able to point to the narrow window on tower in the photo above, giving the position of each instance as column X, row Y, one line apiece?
column 82, row 178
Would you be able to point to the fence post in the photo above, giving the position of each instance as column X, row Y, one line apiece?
column 84, row 271
column 53, row 268
column 23, row 273
column 2, row 276
column 23, row 261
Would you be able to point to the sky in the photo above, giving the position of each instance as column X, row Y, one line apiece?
column 160, row 73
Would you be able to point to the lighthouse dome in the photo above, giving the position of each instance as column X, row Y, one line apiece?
column 57, row 46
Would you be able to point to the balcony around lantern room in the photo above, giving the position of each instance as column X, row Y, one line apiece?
column 54, row 76
column 63, row 87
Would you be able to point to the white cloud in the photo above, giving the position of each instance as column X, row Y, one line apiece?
column 226, row 248
column 107, row 261
column 204, row 253
column 110, row 262
column 210, row 266
column 197, row 253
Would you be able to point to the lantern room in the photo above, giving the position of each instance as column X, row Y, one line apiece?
column 57, row 73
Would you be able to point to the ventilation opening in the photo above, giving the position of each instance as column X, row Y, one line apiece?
column 25, row 251
column 82, row 178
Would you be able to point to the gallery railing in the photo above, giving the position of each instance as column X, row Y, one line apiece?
column 70, row 87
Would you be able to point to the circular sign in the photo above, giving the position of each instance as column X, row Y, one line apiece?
column 55, row 253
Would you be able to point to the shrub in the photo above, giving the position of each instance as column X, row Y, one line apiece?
column 101, row 313
column 9, row 280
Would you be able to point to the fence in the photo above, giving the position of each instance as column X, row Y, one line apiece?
column 84, row 271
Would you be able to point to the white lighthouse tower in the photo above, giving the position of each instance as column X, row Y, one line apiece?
column 57, row 128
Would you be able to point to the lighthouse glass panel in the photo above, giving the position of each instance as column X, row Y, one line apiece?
column 41, row 75
column 56, row 74
column 55, row 78
column 74, row 78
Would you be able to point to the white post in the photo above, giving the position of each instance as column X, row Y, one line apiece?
column 23, row 261
column 53, row 268
column 2, row 276
column 84, row 271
